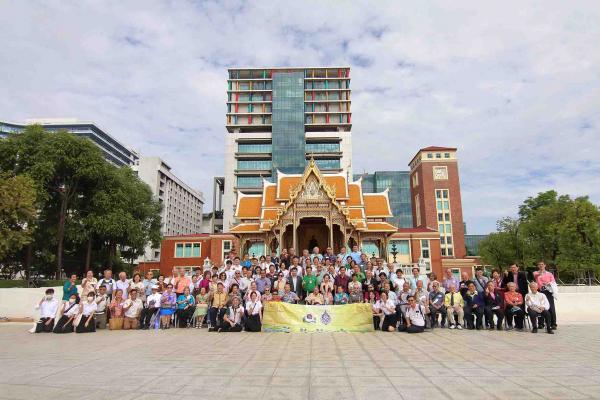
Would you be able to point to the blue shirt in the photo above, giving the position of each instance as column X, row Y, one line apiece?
column 340, row 298
column 261, row 283
column 188, row 301
column 356, row 256
column 69, row 290
column 148, row 286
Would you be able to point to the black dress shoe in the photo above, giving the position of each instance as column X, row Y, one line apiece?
column 553, row 327
column 550, row 331
column 534, row 330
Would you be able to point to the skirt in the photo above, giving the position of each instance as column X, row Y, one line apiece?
column 63, row 325
column 201, row 310
column 167, row 311
column 81, row 328
column 253, row 323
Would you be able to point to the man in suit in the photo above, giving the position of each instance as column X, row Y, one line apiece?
column 295, row 282
column 517, row 277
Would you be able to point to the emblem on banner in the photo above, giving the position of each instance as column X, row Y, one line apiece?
column 325, row 318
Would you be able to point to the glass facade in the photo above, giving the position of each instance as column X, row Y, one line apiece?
column 249, row 181
column 322, row 147
column 398, row 183
column 328, row 164
column 472, row 244
column 254, row 148
column 253, row 164
column 288, row 123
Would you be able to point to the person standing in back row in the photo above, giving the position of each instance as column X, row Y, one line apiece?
column 547, row 285
column 518, row 278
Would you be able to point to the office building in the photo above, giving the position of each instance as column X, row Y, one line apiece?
column 212, row 222
column 398, row 185
column 182, row 205
column 114, row 152
column 277, row 118
column 472, row 244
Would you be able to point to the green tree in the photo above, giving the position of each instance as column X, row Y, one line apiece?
column 123, row 215
column 17, row 212
column 81, row 200
column 579, row 236
column 565, row 232
column 505, row 246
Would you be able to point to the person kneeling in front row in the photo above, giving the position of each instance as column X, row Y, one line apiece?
column 538, row 305
column 88, row 309
column 48, row 306
column 414, row 316
column 388, row 308
column 232, row 320
column 70, row 312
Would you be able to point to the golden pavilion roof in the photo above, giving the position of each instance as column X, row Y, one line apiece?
column 364, row 211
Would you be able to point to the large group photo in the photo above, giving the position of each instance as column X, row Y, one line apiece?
column 308, row 200
column 231, row 297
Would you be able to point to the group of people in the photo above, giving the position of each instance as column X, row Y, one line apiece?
column 231, row 297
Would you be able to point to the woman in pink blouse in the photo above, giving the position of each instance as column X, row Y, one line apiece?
column 547, row 284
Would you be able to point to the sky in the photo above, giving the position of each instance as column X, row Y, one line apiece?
column 514, row 85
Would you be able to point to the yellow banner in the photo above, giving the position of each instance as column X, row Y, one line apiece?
column 284, row 317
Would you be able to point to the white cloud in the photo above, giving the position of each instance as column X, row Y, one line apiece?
column 513, row 85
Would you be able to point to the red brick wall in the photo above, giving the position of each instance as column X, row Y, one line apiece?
column 426, row 191
column 211, row 247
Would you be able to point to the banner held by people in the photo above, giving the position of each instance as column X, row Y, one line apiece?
column 283, row 317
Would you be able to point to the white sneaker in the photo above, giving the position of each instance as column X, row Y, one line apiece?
column 453, row 326
column 459, row 327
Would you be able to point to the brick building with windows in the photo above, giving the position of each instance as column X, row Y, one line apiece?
column 190, row 251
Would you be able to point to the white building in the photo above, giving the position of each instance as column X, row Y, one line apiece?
column 182, row 205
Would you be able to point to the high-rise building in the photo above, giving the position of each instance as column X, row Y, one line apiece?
column 398, row 185
column 114, row 152
column 182, row 205
column 277, row 118
column 436, row 199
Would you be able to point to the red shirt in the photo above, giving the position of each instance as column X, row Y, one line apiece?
column 511, row 298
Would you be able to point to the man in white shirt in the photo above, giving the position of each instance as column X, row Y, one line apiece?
column 538, row 306
column 132, row 307
column 122, row 284
column 48, row 306
column 152, row 306
column 421, row 295
column 246, row 281
column 414, row 317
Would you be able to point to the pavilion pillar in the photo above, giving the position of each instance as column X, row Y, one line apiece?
column 294, row 233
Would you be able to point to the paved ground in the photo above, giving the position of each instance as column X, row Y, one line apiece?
column 192, row 364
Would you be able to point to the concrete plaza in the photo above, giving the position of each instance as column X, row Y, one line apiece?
column 195, row 364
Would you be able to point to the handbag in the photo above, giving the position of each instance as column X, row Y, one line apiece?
column 115, row 324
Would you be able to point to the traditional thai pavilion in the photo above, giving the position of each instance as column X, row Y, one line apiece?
column 312, row 209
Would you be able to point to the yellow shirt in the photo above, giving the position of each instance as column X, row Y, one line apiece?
column 219, row 299
column 458, row 299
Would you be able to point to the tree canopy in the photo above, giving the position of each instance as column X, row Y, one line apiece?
column 82, row 203
column 564, row 232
